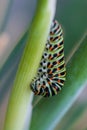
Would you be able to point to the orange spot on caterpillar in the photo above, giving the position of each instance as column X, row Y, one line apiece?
column 49, row 82
column 58, row 81
column 59, row 37
column 58, row 62
column 51, row 78
column 59, row 45
column 42, row 86
column 51, row 48
column 50, row 72
column 59, row 74
column 50, row 66
column 58, row 68
column 58, row 54
column 50, row 57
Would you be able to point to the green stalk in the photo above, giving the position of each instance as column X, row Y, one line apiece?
column 21, row 95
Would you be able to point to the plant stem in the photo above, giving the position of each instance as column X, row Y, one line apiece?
column 21, row 95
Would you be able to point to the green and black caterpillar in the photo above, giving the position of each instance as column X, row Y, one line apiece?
column 51, row 73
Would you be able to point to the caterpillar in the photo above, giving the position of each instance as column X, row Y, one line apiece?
column 52, row 71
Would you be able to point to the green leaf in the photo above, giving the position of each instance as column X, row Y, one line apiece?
column 72, row 15
column 74, row 119
column 48, row 112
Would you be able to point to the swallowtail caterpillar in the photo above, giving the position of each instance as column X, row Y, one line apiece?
column 51, row 72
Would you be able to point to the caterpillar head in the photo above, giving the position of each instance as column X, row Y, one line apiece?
column 39, row 89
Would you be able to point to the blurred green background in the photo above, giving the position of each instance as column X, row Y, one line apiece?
column 15, row 17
